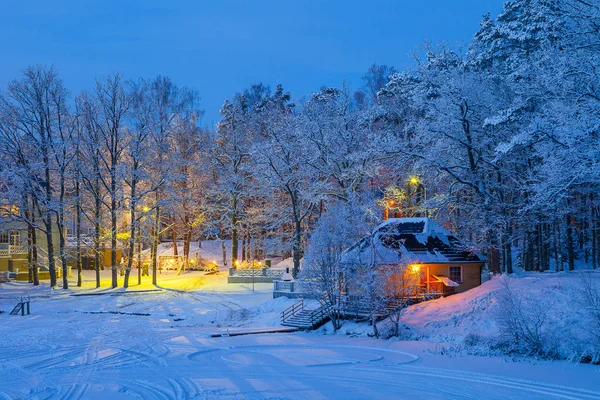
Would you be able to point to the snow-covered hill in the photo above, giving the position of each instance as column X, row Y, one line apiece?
column 553, row 307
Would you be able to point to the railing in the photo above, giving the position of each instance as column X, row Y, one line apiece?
column 71, row 241
column 256, row 272
column 22, row 249
column 317, row 316
column 292, row 310
column 11, row 249
column 43, row 256
column 287, row 286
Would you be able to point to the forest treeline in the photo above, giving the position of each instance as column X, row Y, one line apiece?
column 499, row 142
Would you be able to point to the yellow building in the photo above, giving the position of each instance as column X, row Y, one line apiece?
column 14, row 248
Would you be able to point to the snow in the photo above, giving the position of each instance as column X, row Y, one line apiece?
column 157, row 344
column 472, row 316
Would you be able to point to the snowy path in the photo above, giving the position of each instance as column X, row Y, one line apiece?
column 156, row 346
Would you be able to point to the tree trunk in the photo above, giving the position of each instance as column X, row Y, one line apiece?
column 97, row 216
column 29, row 257
column 132, row 233
column 78, row 227
column 224, row 251
column 34, row 249
column 556, row 246
column 174, row 238
column 596, row 237
column 243, row 245
column 155, row 239
column 234, row 235
column 297, row 248
column 97, row 211
column 570, row 250
column 113, row 236
column 61, row 231
column 139, row 263
column 187, row 239
column 509, row 261
column 47, row 220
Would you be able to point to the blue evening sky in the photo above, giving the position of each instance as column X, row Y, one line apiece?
column 221, row 47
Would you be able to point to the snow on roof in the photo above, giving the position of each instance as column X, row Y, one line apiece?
column 414, row 240
column 445, row 280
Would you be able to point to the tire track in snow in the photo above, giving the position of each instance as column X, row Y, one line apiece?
column 75, row 392
column 185, row 388
column 565, row 392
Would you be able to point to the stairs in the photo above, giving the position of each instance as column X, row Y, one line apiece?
column 21, row 307
column 18, row 308
column 43, row 258
column 299, row 317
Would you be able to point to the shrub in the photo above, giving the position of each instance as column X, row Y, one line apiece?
column 524, row 326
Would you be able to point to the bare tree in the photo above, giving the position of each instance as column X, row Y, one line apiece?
column 34, row 108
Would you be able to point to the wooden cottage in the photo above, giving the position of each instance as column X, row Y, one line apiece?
column 433, row 260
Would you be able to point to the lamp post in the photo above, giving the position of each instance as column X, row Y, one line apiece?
column 386, row 212
column 253, row 273
column 145, row 210
column 417, row 182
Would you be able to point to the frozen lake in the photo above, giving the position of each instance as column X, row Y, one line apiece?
column 156, row 345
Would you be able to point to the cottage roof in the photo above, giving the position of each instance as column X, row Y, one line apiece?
column 410, row 240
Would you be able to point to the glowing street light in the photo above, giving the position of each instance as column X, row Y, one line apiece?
column 388, row 204
column 414, row 180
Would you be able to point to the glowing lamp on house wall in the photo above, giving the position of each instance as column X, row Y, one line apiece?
column 415, row 268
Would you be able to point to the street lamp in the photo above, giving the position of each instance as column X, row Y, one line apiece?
column 388, row 204
column 413, row 180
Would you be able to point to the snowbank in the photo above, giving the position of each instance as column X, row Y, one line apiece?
column 551, row 303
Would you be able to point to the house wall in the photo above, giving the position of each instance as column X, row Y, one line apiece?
column 471, row 274
column 404, row 285
column 20, row 260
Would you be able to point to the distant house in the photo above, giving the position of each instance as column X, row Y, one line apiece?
column 438, row 262
column 14, row 248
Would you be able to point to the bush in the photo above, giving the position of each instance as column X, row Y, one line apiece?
column 589, row 304
column 524, row 327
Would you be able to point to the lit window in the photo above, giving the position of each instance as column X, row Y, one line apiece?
column 456, row 274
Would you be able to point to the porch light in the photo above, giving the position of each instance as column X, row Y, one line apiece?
column 415, row 268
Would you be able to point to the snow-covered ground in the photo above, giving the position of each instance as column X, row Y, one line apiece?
column 158, row 344
column 471, row 318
